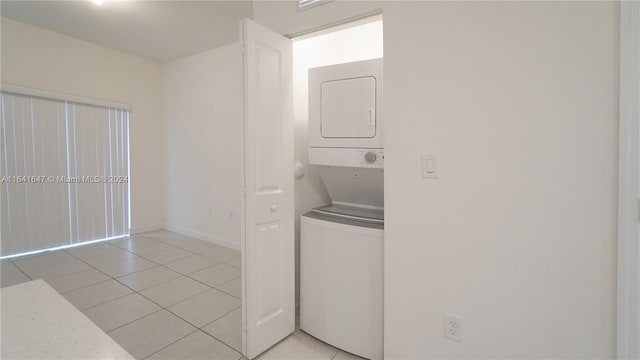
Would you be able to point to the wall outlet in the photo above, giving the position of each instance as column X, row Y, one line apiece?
column 452, row 328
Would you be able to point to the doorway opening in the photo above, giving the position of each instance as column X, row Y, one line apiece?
column 356, row 41
column 338, row 141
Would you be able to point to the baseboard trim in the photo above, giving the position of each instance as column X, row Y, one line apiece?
column 202, row 236
column 145, row 228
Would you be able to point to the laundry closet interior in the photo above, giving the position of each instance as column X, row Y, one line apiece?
column 339, row 120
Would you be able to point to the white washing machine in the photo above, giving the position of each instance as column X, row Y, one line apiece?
column 341, row 278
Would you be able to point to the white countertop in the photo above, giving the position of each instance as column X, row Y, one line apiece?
column 38, row 323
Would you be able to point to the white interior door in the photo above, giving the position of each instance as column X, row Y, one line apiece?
column 268, row 225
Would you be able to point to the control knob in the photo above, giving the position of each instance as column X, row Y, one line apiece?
column 370, row 157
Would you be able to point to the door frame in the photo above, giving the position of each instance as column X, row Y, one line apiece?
column 628, row 324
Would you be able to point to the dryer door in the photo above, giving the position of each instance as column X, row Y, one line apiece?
column 345, row 106
column 348, row 108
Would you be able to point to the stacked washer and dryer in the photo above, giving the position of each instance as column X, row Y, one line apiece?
column 341, row 244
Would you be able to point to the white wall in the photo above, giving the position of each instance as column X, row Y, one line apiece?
column 328, row 49
column 38, row 58
column 203, row 115
column 517, row 102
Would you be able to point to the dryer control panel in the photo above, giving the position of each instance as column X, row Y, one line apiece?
column 367, row 158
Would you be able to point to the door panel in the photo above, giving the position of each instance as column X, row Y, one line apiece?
column 268, row 102
column 267, row 224
column 268, row 242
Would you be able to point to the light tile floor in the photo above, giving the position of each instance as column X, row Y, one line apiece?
column 160, row 295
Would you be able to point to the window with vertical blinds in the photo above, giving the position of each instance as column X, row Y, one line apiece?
column 65, row 173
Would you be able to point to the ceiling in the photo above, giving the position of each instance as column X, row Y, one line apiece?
column 157, row 30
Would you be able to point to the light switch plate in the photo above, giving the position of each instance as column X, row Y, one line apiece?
column 429, row 169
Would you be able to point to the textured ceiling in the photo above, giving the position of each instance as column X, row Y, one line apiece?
column 157, row 30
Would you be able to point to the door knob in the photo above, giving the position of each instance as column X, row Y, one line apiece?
column 274, row 208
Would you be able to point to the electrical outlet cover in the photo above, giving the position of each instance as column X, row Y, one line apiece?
column 452, row 327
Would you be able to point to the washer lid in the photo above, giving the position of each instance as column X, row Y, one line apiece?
column 342, row 220
column 352, row 212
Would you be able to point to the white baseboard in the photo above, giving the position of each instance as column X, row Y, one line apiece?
column 202, row 236
column 146, row 228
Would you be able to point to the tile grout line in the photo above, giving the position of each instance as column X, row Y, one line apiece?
column 102, row 303
column 48, row 265
column 199, row 328
column 57, row 277
column 22, row 271
column 139, row 291
column 191, row 251
column 218, row 318
column 187, row 274
column 219, row 262
column 134, row 291
column 114, row 278
column 207, row 324
column 191, row 333
column 84, row 260
column 222, row 342
column 179, row 248
column 148, row 356
column 136, row 256
column 72, row 273
column 198, row 254
column 194, row 325
column 213, row 287
column 174, row 314
column 80, row 288
column 178, row 316
column 166, row 307
column 132, row 321
column 163, row 282
column 109, row 276
column 239, row 277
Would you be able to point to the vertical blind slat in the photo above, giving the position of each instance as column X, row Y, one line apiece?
column 83, row 148
column 6, row 228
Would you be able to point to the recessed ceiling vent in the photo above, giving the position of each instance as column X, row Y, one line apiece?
column 308, row 4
